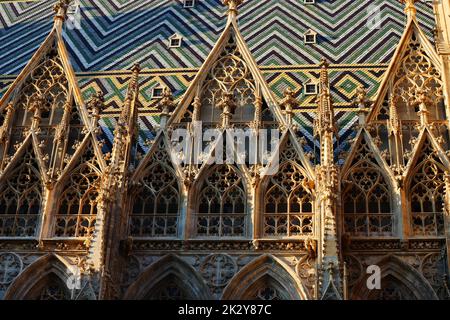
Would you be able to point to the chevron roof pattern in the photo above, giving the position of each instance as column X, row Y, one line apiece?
column 115, row 34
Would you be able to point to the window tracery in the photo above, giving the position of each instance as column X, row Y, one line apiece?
column 222, row 205
column 367, row 197
column 288, row 202
column 416, row 73
column 427, row 195
column 156, row 206
column 267, row 294
column 392, row 289
column 48, row 82
column 229, row 74
column 266, row 289
column 54, row 291
column 77, row 206
column 167, row 290
column 21, row 200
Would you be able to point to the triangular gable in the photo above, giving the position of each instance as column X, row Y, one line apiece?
column 53, row 42
column 18, row 159
column 288, row 145
column 85, row 153
column 365, row 150
column 421, row 149
column 229, row 37
column 159, row 151
column 32, row 85
column 412, row 29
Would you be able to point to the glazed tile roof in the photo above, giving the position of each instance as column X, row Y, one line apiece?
column 115, row 34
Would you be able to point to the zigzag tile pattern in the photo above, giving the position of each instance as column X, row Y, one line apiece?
column 115, row 34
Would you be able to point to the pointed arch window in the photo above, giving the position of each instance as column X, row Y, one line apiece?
column 77, row 207
column 427, row 195
column 168, row 290
column 288, row 204
column 367, row 203
column 266, row 289
column 51, row 288
column 222, row 204
column 156, row 205
column 367, row 198
column 21, row 200
column 54, row 291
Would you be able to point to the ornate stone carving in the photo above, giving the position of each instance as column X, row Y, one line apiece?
column 218, row 269
column 10, row 267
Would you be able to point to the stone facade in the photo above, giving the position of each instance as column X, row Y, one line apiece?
column 79, row 220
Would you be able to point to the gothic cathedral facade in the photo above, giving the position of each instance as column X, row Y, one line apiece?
column 97, row 202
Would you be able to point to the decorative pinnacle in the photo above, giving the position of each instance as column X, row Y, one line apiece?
column 410, row 8
column 232, row 5
column 95, row 104
column 289, row 102
column 60, row 9
column 136, row 69
column 324, row 80
column 166, row 104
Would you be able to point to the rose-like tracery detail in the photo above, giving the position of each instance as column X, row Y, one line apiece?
column 229, row 75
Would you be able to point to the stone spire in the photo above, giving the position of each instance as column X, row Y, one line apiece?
column 325, row 126
column 126, row 125
column 114, row 181
column 330, row 284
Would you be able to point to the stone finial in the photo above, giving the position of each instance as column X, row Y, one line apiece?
column 289, row 103
column 324, row 64
column 95, row 104
column 228, row 107
column 362, row 102
column 410, row 8
column 233, row 5
column 361, row 97
column 60, row 9
column 166, row 104
column 136, row 69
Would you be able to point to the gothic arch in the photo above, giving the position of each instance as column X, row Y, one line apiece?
column 368, row 198
column 21, row 197
column 77, row 193
column 399, row 281
column 46, row 270
column 219, row 202
column 265, row 278
column 168, row 270
column 155, row 202
column 425, row 189
column 286, row 197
